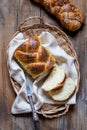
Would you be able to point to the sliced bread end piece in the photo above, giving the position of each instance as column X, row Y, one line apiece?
column 65, row 92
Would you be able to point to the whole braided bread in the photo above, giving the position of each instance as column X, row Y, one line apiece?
column 70, row 17
column 34, row 58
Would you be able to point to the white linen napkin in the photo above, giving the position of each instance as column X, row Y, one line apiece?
column 21, row 103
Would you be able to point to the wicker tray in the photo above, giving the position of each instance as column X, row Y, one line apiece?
column 48, row 111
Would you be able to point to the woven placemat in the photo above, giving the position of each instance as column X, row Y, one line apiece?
column 29, row 29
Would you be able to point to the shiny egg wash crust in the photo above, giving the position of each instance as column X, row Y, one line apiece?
column 34, row 58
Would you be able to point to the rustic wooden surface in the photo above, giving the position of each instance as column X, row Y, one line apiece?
column 12, row 12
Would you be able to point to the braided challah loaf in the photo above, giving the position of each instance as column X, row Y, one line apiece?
column 34, row 58
column 70, row 17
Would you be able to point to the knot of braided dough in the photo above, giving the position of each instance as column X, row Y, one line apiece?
column 34, row 58
column 70, row 17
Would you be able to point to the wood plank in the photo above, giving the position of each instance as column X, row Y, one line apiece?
column 8, row 26
column 77, row 116
column 12, row 12
column 25, row 9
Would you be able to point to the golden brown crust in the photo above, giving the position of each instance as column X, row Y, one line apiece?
column 35, row 69
column 26, row 57
column 70, row 17
column 34, row 58
column 43, row 55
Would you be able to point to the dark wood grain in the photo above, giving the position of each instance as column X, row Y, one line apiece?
column 12, row 12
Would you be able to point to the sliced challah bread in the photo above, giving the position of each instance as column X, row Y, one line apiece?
column 65, row 92
column 55, row 79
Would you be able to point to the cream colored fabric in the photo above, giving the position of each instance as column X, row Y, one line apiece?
column 21, row 103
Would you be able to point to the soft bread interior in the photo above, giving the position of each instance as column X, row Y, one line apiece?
column 54, row 80
column 65, row 92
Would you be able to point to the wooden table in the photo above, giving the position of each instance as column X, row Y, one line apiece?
column 12, row 12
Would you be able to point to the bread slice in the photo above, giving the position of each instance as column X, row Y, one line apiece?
column 55, row 79
column 65, row 92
